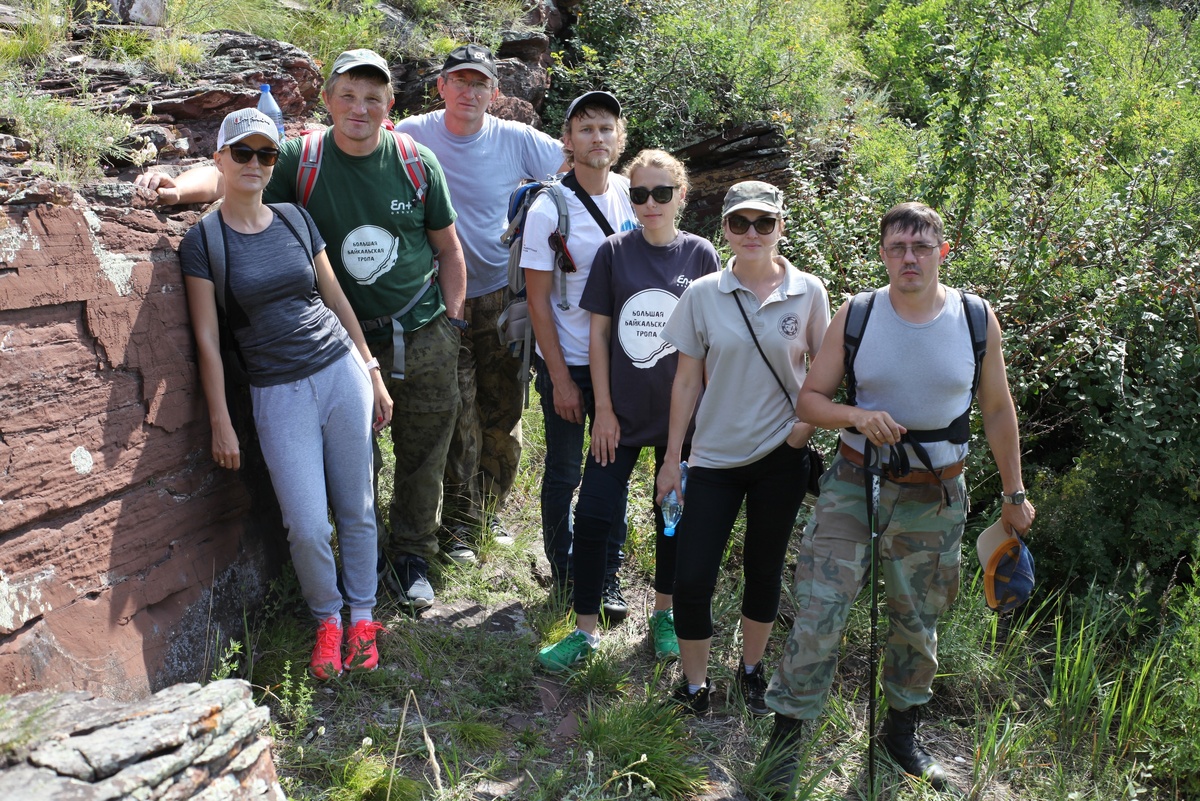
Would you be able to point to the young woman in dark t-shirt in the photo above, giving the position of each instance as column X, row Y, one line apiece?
column 314, row 387
column 635, row 282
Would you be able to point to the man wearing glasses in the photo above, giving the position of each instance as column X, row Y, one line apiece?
column 913, row 375
column 383, row 240
column 598, row 205
column 484, row 159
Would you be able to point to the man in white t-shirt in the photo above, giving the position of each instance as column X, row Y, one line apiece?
column 593, row 138
column 484, row 159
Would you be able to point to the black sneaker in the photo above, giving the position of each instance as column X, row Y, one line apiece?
column 496, row 530
column 454, row 545
column 408, row 580
column 692, row 703
column 612, row 602
column 753, row 687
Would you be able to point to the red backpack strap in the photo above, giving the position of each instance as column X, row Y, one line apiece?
column 310, row 165
column 411, row 160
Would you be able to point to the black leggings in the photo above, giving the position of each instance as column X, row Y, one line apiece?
column 773, row 489
column 600, row 497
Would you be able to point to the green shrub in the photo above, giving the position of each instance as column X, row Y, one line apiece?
column 70, row 138
column 684, row 70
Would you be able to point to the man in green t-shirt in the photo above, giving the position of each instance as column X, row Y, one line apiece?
column 399, row 261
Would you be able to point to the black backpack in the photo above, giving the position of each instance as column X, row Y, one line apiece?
column 959, row 431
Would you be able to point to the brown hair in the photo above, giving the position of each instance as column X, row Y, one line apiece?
column 592, row 110
column 912, row 217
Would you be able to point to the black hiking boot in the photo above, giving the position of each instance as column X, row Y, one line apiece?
column 780, row 758
column 899, row 737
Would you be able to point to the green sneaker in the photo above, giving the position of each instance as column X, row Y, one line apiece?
column 662, row 631
column 566, row 653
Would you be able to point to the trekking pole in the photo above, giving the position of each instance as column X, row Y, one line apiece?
column 873, row 466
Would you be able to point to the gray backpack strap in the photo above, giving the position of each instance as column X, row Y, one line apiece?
column 213, row 239
column 555, row 189
column 293, row 218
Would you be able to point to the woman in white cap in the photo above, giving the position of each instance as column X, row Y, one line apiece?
column 314, row 387
column 744, row 335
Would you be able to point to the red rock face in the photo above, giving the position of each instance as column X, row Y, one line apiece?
column 123, row 549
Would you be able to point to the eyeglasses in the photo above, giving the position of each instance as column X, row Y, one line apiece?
column 559, row 246
column 920, row 250
column 661, row 194
column 243, row 153
column 740, row 225
column 478, row 87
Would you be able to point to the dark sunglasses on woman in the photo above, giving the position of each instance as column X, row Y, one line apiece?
column 243, row 153
column 740, row 225
column 661, row 194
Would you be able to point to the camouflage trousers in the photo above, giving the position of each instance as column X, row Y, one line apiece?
column 486, row 447
column 919, row 560
column 426, row 405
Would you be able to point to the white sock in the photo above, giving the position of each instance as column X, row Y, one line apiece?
column 593, row 639
column 695, row 688
column 360, row 615
column 335, row 619
column 748, row 668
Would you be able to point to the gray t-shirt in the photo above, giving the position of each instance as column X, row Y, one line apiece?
column 743, row 414
column 920, row 373
column 291, row 334
column 638, row 285
column 482, row 170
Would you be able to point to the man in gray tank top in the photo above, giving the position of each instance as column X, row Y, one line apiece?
column 913, row 373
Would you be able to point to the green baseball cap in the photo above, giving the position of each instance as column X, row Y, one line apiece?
column 755, row 195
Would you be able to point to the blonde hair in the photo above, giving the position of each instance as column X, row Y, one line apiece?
column 661, row 160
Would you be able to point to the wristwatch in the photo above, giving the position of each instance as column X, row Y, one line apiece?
column 461, row 325
column 1016, row 499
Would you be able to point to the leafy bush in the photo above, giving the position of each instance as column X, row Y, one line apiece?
column 684, row 69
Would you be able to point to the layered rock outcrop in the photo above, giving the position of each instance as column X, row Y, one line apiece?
column 186, row 742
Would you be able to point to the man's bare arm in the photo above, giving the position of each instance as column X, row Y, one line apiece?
column 202, row 184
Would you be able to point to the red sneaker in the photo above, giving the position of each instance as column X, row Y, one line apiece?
column 327, row 654
column 361, row 653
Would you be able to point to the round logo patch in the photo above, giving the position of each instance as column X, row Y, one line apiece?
column 789, row 326
column 638, row 324
column 368, row 252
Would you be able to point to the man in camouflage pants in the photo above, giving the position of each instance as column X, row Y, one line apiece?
column 913, row 372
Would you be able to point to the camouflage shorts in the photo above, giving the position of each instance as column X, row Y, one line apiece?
column 919, row 554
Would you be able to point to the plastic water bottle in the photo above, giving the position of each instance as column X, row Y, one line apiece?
column 268, row 106
column 672, row 507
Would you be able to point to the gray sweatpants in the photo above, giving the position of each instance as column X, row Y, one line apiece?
column 316, row 438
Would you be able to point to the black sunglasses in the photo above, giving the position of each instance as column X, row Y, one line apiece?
column 661, row 194
column 243, row 153
column 559, row 245
column 740, row 225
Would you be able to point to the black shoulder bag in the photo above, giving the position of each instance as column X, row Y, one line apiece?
column 816, row 462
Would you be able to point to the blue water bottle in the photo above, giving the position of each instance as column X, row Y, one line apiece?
column 268, row 106
column 672, row 507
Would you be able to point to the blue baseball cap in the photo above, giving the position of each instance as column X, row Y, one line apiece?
column 1007, row 568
